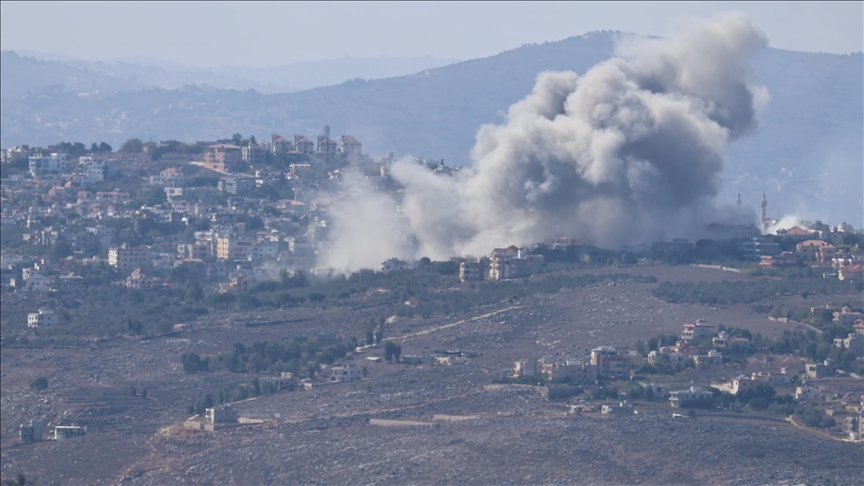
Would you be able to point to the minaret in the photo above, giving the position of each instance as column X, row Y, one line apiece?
column 764, row 206
column 738, row 202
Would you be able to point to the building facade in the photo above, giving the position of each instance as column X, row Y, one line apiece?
column 42, row 318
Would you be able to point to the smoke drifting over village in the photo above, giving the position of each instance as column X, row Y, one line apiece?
column 627, row 153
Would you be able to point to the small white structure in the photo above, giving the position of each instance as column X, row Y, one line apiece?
column 693, row 394
column 42, row 318
column 348, row 372
column 805, row 392
column 63, row 432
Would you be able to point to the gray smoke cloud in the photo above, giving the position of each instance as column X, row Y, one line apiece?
column 629, row 151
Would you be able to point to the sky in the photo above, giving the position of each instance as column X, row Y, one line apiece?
column 270, row 34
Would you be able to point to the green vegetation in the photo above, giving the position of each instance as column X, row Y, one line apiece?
column 748, row 292
column 39, row 384
column 236, row 393
column 392, row 351
column 813, row 417
column 300, row 355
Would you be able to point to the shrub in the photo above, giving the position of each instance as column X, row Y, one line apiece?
column 39, row 384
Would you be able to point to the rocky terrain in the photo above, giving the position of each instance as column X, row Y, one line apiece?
column 389, row 429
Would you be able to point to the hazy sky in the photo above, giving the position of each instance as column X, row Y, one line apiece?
column 266, row 33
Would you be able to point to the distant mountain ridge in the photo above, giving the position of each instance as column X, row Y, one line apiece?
column 810, row 131
column 23, row 73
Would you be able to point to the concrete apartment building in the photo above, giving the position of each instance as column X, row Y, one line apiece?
column 526, row 367
column 95, row 168
column 223, row 157
column 784, row 259
column 846, row 318
column 47, row 164
column 394, row 264
column 757, row 247
column 30, row 432
column 139, row 280
column 815, row 252
column 237, row 285
column 326, row 146
column 569, row 370
column 610, row 364
column 280, row 145
column 504, row 267
column 303, row 145
column 236, row 185
column 32, row 281
column 169, row 178
column 697, row 330
column 197, row 251
column 470, row 271
column 820, row 370
column 351, row 146
column 127, row 259
column 347, row 372
column 254, row 154
column 233, row 248
column 42, row 318
column 851, row 272
column 223, row 414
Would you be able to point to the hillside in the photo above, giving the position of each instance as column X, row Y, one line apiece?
column 812, row 127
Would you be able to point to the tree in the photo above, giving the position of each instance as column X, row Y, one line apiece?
column 192, row 363
column 104, row 147
column 134, row 326
column 379, row 334
column 59, row 250
column 39, row 384
column 144, row 393
column 640, row 348
column 194, row 293
column 132, row 145
column 20, row 480
column 134, row 391
column 390, row 351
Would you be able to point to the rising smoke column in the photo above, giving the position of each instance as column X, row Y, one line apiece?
column 629, row 151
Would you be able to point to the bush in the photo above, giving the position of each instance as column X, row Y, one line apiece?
column 39, row 384
column 192, row 363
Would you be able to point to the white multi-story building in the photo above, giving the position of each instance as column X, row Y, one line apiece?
column 394, row 264
column 95, row 168
column 470, row 271
column 223, row 414
column 128, row 259
column 32, row 281
column 348, row 372
column 43, row 164
column 42, row 318
column 170, row 177
column 505, row 267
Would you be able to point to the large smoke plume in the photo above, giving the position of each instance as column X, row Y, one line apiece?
column 627, row 153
